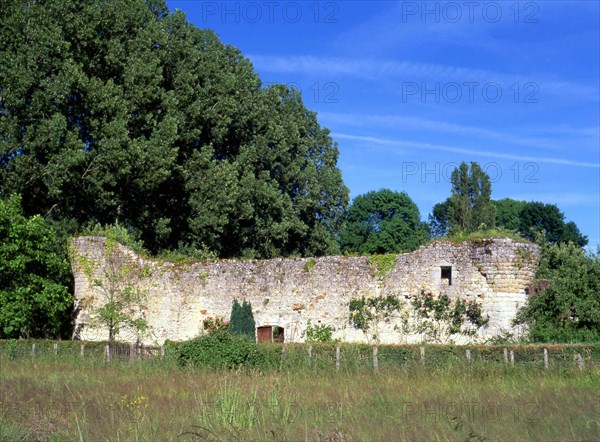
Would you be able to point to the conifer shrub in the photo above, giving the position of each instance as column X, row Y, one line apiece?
column 242, row 319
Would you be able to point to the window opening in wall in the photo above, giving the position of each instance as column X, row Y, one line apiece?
column 447, row 274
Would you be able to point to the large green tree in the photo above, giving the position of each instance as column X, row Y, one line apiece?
column 508, row 213
column 522, row 217
column 34, row 276
column 469, row 205
column 547, row 218
column 120, row 111
column 439, row 224
column 568, row 309
column 529, row 218
column 383, row 221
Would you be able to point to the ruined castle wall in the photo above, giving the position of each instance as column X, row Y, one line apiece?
column 289, row 292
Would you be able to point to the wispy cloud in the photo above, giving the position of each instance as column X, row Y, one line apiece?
column 378, row 69
column 444, row 148
column 310, row 64
column 399, row 121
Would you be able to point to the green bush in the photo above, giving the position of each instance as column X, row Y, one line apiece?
column 11, row 350
column 219, row 349
column 318, row 332
column 119, row 233
column 568, row 309
column 34, row 276
column 242, row 319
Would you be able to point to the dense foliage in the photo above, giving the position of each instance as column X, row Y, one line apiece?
column 383, row 221
column 124, row 114
column 439, row 224
column 530, row 218
column 507, row 213
column 219, row 349
column 469, row 206
column 119, row 111
column 242, row 319
column 568, row 309
column 470, row 209
column 34, row 276
column 547, row 218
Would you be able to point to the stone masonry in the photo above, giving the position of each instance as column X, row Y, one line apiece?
column 287, row 292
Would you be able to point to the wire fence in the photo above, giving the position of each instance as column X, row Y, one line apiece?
column 340, row 357
column 43, row 349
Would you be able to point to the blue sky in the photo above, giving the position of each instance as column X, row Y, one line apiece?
column 411, row 89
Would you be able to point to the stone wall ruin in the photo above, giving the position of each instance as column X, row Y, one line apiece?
column 288, row 292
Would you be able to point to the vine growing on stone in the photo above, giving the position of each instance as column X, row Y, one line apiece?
column 366, row 313
column 438, row 318
column 318, row 332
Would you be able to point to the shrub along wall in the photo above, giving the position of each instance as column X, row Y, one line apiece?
column 316, row 356
column 293, row 293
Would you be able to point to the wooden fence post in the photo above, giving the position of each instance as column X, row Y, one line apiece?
column 33, row 350
column 310, row 355
column 512, row 357
column 337, row 358
column 580, row 361
column 545, row 359
column 162, row 351
column 375, row 359
column 422, row 351
column 55, row 349
column 82, row 350
column 107, row 352
column 469, row 356
column 506, row 356
column 283, row 356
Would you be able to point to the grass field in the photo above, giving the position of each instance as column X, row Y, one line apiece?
column 72, row 399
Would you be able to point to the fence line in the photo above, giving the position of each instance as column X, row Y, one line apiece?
column 335, row 356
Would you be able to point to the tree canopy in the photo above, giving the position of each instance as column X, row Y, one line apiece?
column 508, row 213
column 120, row 111
column 526, row 219
column 547, row 218
column 530, row 218
column 34, row 276
column 568, row 309
column 383, row 221
column 469, row 205
column 439, row 225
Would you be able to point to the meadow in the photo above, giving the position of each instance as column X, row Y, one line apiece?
column 66, row 397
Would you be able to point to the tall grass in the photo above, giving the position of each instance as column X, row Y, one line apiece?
column 73, row 399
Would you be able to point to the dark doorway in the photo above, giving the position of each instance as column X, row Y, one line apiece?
column 278, row 334
column 447, row 274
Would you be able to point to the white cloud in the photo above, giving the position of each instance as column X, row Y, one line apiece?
column 398, row 121
column 378, row 69
column 444, row 148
